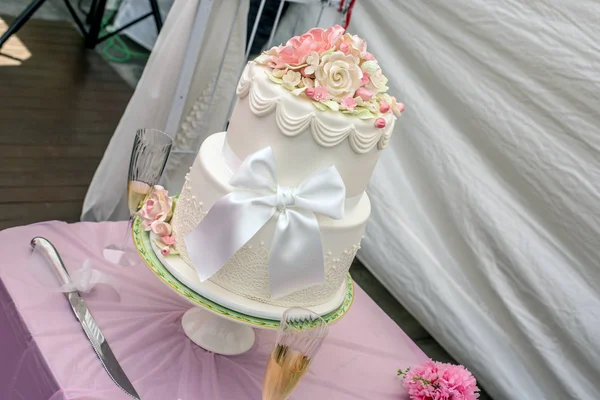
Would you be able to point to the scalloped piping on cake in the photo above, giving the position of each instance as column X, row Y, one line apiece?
column 292, row 126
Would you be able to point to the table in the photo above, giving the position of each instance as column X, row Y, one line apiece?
column 45, row 355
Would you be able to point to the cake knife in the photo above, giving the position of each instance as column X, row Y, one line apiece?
column 89, row 325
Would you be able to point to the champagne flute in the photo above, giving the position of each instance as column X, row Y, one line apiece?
column 299, row 338
column 151, row 148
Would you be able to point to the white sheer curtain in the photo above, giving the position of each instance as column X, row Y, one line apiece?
column 206, row 104
column 486, row 208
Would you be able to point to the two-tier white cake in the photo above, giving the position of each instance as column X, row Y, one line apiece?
column 317, row 101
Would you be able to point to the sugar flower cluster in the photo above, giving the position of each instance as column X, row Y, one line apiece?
column 335, row 70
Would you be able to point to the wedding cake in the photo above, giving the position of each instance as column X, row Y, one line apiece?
column 318, row 101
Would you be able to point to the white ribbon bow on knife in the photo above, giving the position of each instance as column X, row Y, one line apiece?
column 296, row 253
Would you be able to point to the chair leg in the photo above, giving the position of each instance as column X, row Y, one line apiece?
column 91, row 39
column 156, row 14
column 21, row 20
column 90, row 14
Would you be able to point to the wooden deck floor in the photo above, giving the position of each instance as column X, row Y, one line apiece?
column 59, row 106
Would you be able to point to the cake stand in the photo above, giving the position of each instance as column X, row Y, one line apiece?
column 220, row 321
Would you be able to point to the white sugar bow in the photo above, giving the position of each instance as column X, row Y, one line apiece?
column 296, row 253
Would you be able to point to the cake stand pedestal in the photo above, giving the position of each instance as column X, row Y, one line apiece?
column 222, row 322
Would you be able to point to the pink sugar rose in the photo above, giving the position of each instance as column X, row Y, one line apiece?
column 310, row 92
column 169, row 240
column 156, row 208
column 368, row 56
column 380, row 123
column 433, row 380
column 165, row 251
column 349, row 102
column 364, row 94
column 383, row 107
column 320, row 93
column 365, row 78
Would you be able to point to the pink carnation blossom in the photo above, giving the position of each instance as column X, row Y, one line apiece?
column 349, row 102
column 156, row 208
column 298, row 48
column 434, row 380
column 320, row 93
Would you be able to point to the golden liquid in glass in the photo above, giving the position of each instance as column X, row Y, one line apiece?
column 284, row 370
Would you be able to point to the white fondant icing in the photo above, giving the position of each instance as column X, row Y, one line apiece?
column 362, row 140
column 303, row 139
column 246, row 273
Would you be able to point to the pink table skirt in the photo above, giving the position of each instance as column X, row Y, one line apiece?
column 44, row 354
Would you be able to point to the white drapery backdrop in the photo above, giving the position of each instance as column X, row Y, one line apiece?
column 486, row 208
column 206, row 103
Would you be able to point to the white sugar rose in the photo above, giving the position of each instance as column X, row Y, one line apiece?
column 339, row 74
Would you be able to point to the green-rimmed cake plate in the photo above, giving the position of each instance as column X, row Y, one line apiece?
column 196, row 322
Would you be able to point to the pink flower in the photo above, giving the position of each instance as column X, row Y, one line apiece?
column 160, row 228
column 156, row 208
column 364, row 94
column 310, row 92
column 320, row 93
column 298, row 48
column 349, row 102
column 165, row 251
column 384, row 107
column 352, row 45
column 368, row 56
column 169, row 240
column 433, row 380
column 365, row 79
column 380, row 123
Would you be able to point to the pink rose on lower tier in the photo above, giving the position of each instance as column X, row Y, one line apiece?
column 169, row 240
column 161, row 228
column 156, row 208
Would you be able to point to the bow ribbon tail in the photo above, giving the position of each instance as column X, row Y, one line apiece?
column 230, row 223
column 296, row 257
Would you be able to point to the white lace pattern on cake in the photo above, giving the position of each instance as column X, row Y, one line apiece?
column 246, row 272
column 323, row 134
column 189, row 214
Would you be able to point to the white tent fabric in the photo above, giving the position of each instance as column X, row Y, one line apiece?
column 206, row 108
column 486, row 208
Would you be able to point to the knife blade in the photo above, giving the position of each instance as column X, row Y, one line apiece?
column 87, row 321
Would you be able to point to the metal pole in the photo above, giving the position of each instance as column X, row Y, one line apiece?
column 275, row 24
column 255, row 27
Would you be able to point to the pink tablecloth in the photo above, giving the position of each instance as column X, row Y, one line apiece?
column 45, row 355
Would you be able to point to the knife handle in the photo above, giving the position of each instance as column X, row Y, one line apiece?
column 50, row 253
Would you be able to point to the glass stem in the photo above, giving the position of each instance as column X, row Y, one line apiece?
column 127, row 233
